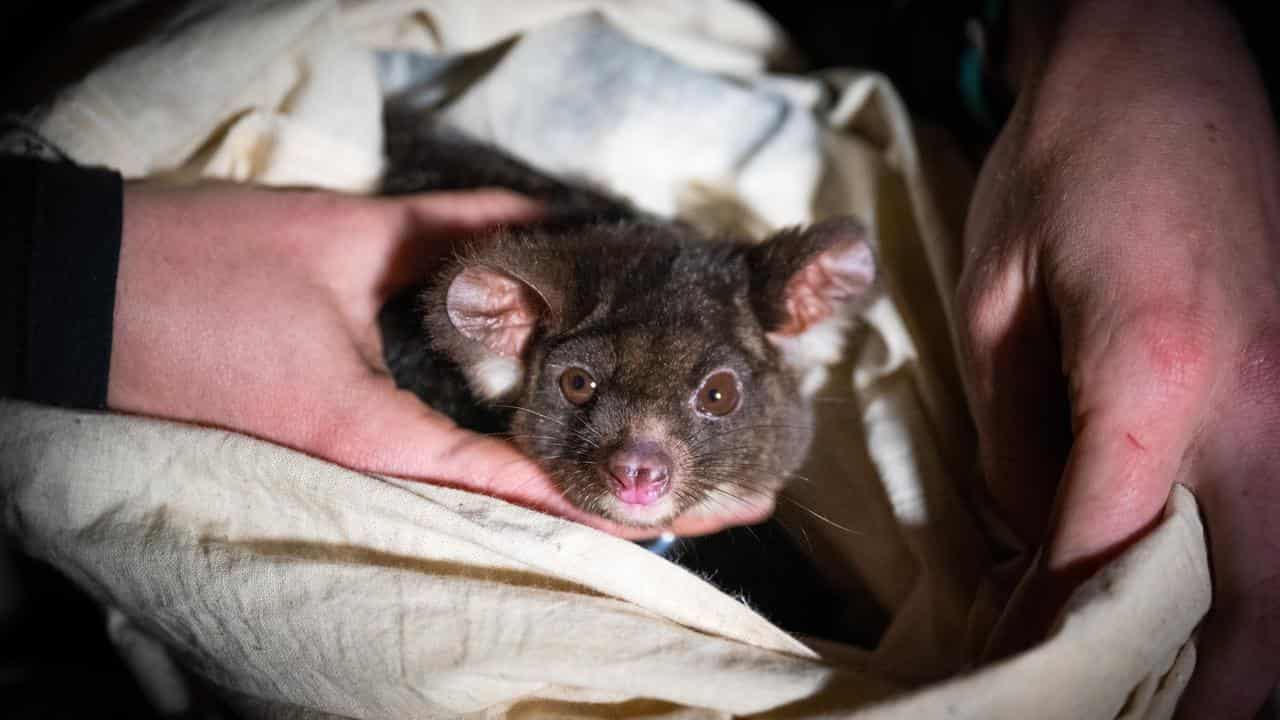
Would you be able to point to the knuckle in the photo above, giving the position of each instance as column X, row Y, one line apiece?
column 997, row 321
column 988, row 299
column 1178, row 348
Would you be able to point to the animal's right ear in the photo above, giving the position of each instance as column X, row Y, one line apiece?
column 805, row 277
column 495, row 309
column 484, row 319
column 806, row 285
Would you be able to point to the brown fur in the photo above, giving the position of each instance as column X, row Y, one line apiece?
column 650, row 310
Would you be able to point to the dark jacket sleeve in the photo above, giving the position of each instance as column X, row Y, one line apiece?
column 59, row 253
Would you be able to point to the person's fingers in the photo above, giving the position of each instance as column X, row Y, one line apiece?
column 1008, row 343
column 1010, row 364
column 1010, row 367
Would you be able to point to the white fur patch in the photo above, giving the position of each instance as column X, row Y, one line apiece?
column 495, row 376
column 813, row 350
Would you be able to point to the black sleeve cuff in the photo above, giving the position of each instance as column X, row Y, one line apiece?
column 61, row 248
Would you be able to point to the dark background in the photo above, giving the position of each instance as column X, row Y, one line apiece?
column 915, row 42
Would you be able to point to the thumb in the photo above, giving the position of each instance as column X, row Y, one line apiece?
column 465, row 211
column 1009, row 362
column 1139, row 399
column 1138, row 396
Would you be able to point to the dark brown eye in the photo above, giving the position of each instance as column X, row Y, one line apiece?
column 719, row 394
column 577, row 385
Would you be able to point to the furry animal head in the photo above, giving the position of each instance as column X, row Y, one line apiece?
column 651, row 371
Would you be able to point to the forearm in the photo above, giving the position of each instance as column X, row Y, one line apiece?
column 1074, row 59
column 1165, row 91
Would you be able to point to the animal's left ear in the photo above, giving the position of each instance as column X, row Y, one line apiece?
column 806, row 285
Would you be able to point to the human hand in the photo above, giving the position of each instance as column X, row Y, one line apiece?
column 1121, row 301
column 256, row 311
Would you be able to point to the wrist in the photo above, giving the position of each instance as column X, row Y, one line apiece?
column 1044, row 35
column 1149, row 66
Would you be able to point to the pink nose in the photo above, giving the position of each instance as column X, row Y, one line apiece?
column 641, row 473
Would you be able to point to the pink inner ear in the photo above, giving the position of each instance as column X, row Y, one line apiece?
column 838, row 275
column 494, row 309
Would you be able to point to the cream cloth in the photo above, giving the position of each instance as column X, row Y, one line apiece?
column 297, row 585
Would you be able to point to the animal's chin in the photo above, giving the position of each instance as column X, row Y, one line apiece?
column 623, row 506
column 658, row 512
column 747, row 509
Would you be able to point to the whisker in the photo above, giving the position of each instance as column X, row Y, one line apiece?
column 594, row 442
column 726, row 493
column 792, row 531
column 532, row 412
column 819, row 515
column 529, row 436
